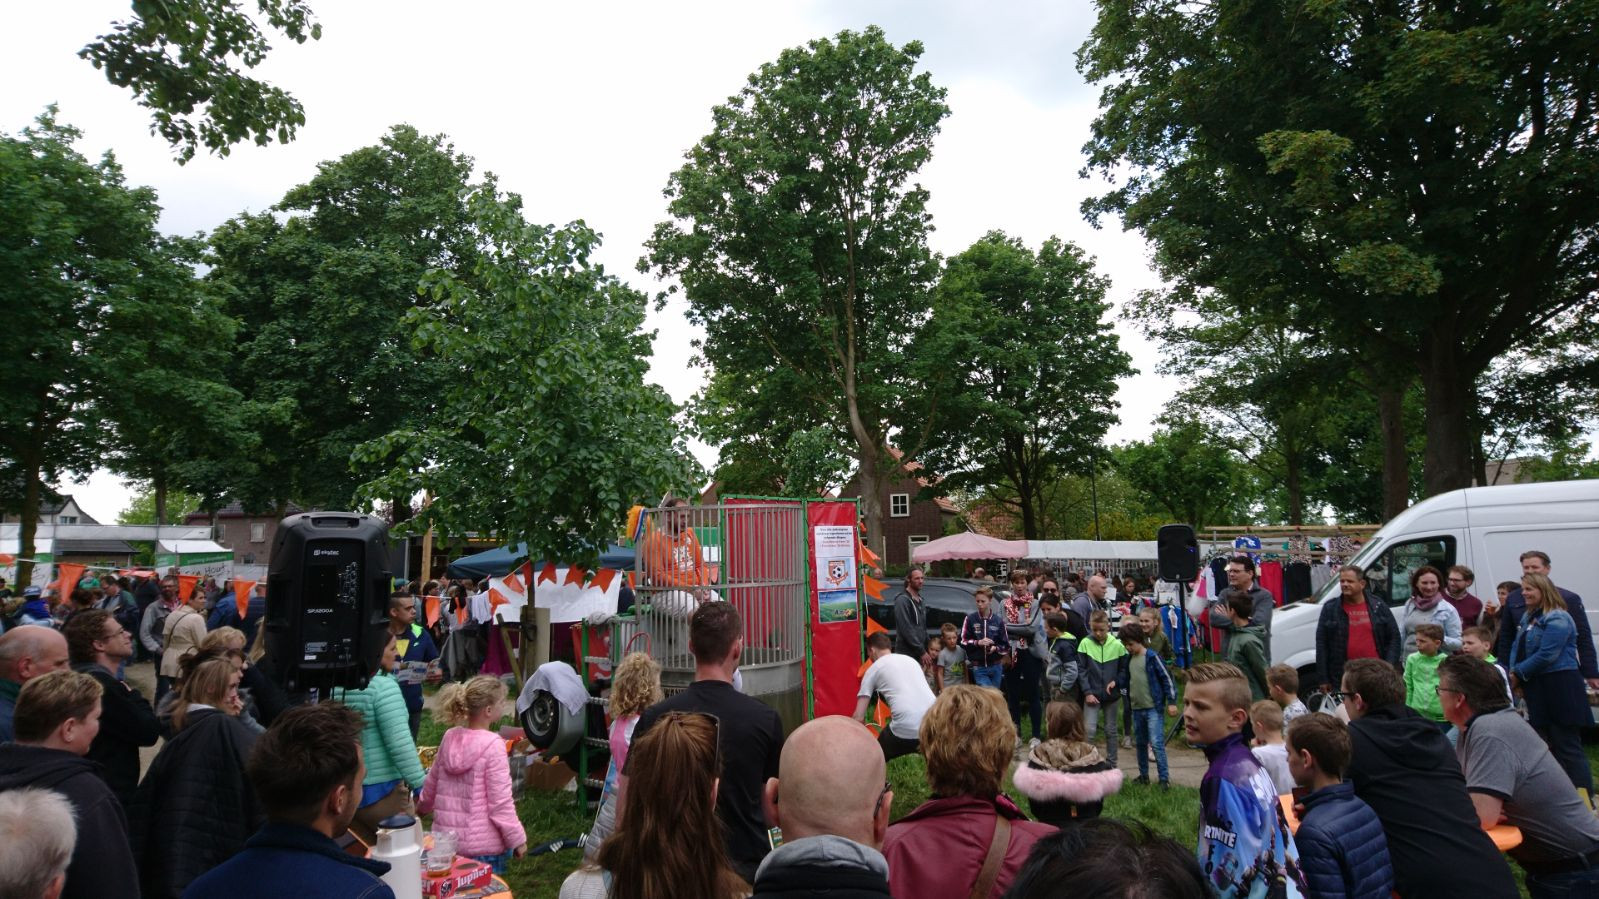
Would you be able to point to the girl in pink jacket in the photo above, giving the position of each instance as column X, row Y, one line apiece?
column 468, row 789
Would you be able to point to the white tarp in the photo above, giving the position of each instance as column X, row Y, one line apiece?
column 1125, row 550
column 192, row 547
column 43, row 573
column 566, row 602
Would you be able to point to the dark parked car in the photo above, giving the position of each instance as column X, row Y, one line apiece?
column 948, row 599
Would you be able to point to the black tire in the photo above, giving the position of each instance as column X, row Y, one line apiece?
column 549, row 726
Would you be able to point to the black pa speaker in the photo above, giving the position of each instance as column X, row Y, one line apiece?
column 327, row 600
column 1177, row 550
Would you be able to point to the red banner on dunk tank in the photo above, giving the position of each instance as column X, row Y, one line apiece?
column 835, row 614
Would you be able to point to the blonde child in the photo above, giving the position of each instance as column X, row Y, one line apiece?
column 635, row 686
column 468, row 789
column 1282, row 684
column 951, row 660
column 1154, row 636
column 1269, row 749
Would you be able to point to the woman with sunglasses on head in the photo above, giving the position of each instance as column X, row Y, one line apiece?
column 673, row 782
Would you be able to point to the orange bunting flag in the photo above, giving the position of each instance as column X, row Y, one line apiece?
column 603, row 578
column 241, row 596
column 874, row 587
column 866, row 555
column 460, row 615
column 548, row 573
column 873, row 627
column 514, row 582
column 496, row 598
column 7, row 559
column 576, row 575
column 186, row 585
column 430, row 607
column 632, row 580
column 69, row 577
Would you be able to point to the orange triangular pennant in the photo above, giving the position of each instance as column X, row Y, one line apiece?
column 514, row 583
column 67, row 581
column 548, row 573
column 576, row 575
column 632, row 580
column 241, row 596
column 430, row 607
column 603, row 578
column 874, row 587
column 186, row 585
column 873, row 627
column 496, row 598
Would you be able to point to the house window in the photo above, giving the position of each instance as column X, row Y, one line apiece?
column 899, row 506
column 69, row 519
column 258, row 532
column 914, row 541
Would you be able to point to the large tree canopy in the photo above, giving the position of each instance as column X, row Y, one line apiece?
column 1019, row 366
column 185, row 60
column 1416, row 180
column 545, row 431
column 800, row 241
column 86, row 281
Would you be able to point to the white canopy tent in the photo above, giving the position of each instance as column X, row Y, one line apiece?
column 1119, row 550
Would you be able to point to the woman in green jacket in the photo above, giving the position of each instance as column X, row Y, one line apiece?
column 393, row 770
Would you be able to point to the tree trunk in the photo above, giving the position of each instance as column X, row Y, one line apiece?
column 1395, row 457
column 1293, row 483
column 159, row 484
column 1028, row 493
column 1450, row 403
column 866, row 461
column 30, row 523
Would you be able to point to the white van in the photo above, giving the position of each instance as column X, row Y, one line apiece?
column 1484, row 528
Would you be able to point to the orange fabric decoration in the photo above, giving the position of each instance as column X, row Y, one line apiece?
column 496, row 598
column 186, row 585
column 430, row 607
column 7, row 559
column 872, row 627
column 603, row 578
column 460, row 615
column 868, row 556
column 241, row 596
column 632, row 580
column 68, row 579
column 576, row 575
column 874, row 587
column 548, row 573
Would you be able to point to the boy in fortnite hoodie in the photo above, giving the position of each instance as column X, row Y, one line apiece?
column 1102, row 674
column 1245, row 848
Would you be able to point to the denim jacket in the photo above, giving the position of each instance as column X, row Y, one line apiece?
column 1546, row 642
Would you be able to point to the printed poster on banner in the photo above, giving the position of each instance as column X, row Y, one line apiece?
column 836, row 586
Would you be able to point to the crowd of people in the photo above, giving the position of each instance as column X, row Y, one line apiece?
column 1397, row 779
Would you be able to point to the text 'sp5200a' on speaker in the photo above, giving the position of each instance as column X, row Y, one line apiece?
column 1177, row 550
column 327, row 599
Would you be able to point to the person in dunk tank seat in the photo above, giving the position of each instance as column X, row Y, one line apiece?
column 673, row 558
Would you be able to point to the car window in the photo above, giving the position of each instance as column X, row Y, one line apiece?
column 1388, row 576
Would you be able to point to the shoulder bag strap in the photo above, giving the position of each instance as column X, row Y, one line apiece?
column 991, row 862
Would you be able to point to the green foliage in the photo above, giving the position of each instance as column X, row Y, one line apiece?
column 1019, row 370
column 800, row 242
column 81, row 262
column 184, row 60
column 1415, row 185
column 1185, row 472
column 545, row 430
column 141, row 507
column 321, row 289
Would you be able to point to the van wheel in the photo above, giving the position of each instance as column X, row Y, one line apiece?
column 1307, row 685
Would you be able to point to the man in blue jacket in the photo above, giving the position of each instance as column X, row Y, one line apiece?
column 414, row 647
column 1536, row 561
column 307, row 772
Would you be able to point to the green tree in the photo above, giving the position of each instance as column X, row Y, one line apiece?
column 1418, row 180
column 800, row 242
column 321, row 288
column 142, row 507
column 185, row 60
column 1019, row 367
column 1185, row 472
column 546, row 431
column 80, row 257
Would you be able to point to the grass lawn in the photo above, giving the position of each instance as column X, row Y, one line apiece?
column 551, row 816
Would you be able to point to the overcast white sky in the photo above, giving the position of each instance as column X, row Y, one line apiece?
column 585, row 108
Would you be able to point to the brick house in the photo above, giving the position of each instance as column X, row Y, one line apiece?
column 248, row 536
column 908, row 522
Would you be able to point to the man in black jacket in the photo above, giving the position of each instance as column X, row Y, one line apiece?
column 58, row 715
column 1241, row 576
column 99, row 646
column 910, row 617
column 1357, row 626
column 1405, row 770
column 1535, row 561
column 828, row 800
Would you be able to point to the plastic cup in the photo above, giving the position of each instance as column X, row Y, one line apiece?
column 440, row 857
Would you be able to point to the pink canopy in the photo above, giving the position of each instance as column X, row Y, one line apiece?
column 969, row 546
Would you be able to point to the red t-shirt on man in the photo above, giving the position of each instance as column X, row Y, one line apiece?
column 1361, row 643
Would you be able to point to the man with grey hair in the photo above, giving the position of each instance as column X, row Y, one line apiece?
column 25, row 653
column 832, row 802
column 37, row 835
